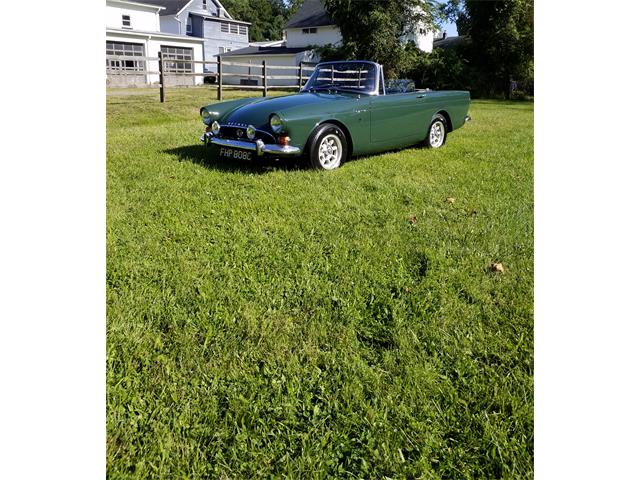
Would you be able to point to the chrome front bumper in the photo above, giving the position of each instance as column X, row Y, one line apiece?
column 259, row 147
column 467, row 118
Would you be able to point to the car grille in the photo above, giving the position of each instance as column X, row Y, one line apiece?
column 239, row 132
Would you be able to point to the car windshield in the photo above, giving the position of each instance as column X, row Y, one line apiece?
column 350, row 76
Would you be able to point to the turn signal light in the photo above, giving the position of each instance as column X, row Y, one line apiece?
column 283, row 140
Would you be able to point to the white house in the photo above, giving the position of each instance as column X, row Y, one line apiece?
column 206, row 19
column 311, row 26
column 134, row 30
column 422, row 36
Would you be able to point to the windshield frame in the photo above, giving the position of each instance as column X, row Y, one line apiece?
column 374, row 91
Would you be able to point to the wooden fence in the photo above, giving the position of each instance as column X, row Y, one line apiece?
column 133, row 70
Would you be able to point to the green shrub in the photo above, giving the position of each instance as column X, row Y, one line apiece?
column 447, row 69
column 519, row 95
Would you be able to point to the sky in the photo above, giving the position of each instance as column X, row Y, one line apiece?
column 450, row 28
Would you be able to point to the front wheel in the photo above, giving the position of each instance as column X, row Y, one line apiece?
column 328, row 147
column 437, row 132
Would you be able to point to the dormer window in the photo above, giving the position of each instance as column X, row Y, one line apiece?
column 189, row 31
column 307, row 31
column 126, row 21
column 204, row 4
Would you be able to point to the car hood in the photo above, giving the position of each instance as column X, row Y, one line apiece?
column 257, row 113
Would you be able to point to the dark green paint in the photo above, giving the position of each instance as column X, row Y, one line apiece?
column 374, row 123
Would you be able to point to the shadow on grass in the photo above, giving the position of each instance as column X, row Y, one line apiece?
column 205, row 157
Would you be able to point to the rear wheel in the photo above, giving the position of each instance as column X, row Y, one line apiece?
column 437, row 132
column 327, row 148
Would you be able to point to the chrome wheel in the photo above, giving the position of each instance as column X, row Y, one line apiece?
column 437, row 134
column 330, row 152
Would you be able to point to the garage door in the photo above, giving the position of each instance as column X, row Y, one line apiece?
column 122, row 72
column 177, row 66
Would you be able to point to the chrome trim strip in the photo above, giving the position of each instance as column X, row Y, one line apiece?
column 258, row 146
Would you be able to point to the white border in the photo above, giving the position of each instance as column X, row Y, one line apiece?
column 52, row 252
column 586, row 240
column 52, row 255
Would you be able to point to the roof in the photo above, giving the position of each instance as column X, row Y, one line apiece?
column 140, row 4
column 449, row 42
column 310, row 14
column 264, row 51
column 268, row 43
column 171, row 6
column 218, row 19
column 143, row 33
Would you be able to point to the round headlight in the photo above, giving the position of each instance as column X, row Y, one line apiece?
column 206, row 118
column 251, row 132
column 215, row 128
column 276, row 123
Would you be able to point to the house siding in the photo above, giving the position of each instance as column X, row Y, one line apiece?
column 209, row 29
column 170, row 25
column 325, row 35
column 215, row 38
column 142, row 18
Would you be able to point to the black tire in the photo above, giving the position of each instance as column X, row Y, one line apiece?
column 437, row 135
column 327, row 147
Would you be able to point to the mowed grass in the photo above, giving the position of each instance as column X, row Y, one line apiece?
column 268, row 321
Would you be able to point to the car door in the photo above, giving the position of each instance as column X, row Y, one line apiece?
column 398, row 119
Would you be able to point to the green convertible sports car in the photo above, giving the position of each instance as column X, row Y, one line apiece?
column 344, row 109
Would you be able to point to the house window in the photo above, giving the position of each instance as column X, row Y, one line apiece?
column 189, row 31
column 179, row 55
column 123, row 49
column 224, row 49
column 308, row 31
column 226, row 27
column 126, row 21
column 204, row 4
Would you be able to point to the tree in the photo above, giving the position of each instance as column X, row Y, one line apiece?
column 442, row 69
column 267, row 17
column 501, row 48
column 373, row 30
column 454, row 11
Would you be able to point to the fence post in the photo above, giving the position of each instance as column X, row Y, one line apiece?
column 219, row 78
column 300, row 75
column 161, row 70
column 264, row 78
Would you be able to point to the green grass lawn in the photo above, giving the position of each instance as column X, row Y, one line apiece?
column 269, row 321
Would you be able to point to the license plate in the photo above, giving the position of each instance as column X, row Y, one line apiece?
column 236, row 154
